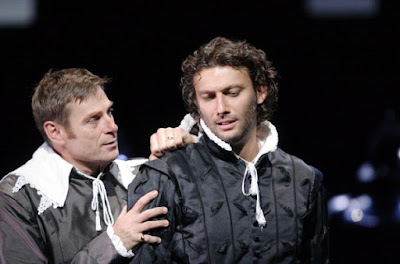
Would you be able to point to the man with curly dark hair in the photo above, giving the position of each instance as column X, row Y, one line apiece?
column 234, row 196
column 222, row 52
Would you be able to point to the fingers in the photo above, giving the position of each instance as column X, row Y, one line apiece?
column 165, row 139
column 152, row 157
column 182, row 138
column 143, row 201
column 146, row 226
column 149, row 225
column 154, row 147
column 124, row 210
column 150, row 213
column 150, row 239
column 188, row 138
column 169, row 139
column 172, row 139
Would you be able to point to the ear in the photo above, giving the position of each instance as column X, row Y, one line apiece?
column 261, row 93
column 54, row 132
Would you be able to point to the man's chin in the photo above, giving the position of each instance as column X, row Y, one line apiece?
column 113, row 156
column 232, row 139
column 227, row 138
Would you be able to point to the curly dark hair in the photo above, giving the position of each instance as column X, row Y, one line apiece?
column 238, row 54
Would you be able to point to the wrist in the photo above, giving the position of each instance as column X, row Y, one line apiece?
column 119, row 246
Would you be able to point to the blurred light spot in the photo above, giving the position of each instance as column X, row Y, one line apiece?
column 342, row 8
column 398, row 153
column 366, row 172
column 355, row 210
column 357, row 215
column 122, row 157
column 17, row 13
column 360, row 212
column 364, row 201
column 369, row 220
column 339, row 203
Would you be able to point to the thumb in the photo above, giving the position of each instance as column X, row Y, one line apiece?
column 153, row 157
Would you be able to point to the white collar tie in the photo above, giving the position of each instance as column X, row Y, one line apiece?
column 254, row 190
column 99, row 189
column 268, row 141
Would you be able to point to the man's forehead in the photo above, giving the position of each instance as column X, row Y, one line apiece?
column 223, row 76
column 93, row 96
column 220, row 70
column 92, row 103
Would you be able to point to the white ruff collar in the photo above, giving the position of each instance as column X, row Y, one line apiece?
column 267, row 137
column 266, row 134
column 49, row 174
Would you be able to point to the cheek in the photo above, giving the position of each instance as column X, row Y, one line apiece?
column 249, row 103
column 202, row 109
column 89, row 142
column 206, row 113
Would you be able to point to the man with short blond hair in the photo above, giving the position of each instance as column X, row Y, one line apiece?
column 68, row 203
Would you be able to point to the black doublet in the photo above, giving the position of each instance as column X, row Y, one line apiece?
column 58, row 235
column 211, row 221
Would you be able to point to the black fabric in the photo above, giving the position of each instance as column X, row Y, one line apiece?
column 58, row 235
column 211, row 221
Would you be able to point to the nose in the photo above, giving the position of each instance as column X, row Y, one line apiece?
column 111, row 126
column 222, row 107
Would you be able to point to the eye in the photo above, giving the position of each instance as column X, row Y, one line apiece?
column 94, row 119
column 208, row 96
column 110, row 111
column 233, row 92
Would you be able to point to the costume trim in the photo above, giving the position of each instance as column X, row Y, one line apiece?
column 49, row 174
column 119, row 246
column 267, row 142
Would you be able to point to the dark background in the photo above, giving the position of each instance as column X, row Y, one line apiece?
column 339, row 78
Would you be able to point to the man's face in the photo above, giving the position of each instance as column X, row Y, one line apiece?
column 90, row 140
column 228, row 102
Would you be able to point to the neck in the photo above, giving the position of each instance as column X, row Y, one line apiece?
column 246, row 147
column 91, row 169
column 265, row 134
column 247, row 151
column 88, row 169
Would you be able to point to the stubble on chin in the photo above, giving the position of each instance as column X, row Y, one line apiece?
column 243, row 130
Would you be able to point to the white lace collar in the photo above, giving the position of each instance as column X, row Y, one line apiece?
column 49, row 174
column 266, row 134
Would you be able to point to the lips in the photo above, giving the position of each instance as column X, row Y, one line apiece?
column 111, row 143
column 226, row 124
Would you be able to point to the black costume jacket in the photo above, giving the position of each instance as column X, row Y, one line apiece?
column 34, row 228
column 62, row 235
column 211, row 221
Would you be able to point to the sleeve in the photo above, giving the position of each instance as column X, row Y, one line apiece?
column 147, row 180
column 319, row 225
column 99, row 250
column 20, row 238
column 23, row 239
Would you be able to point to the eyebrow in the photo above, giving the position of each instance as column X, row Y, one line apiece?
column 94, row 113
column 230, row 87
